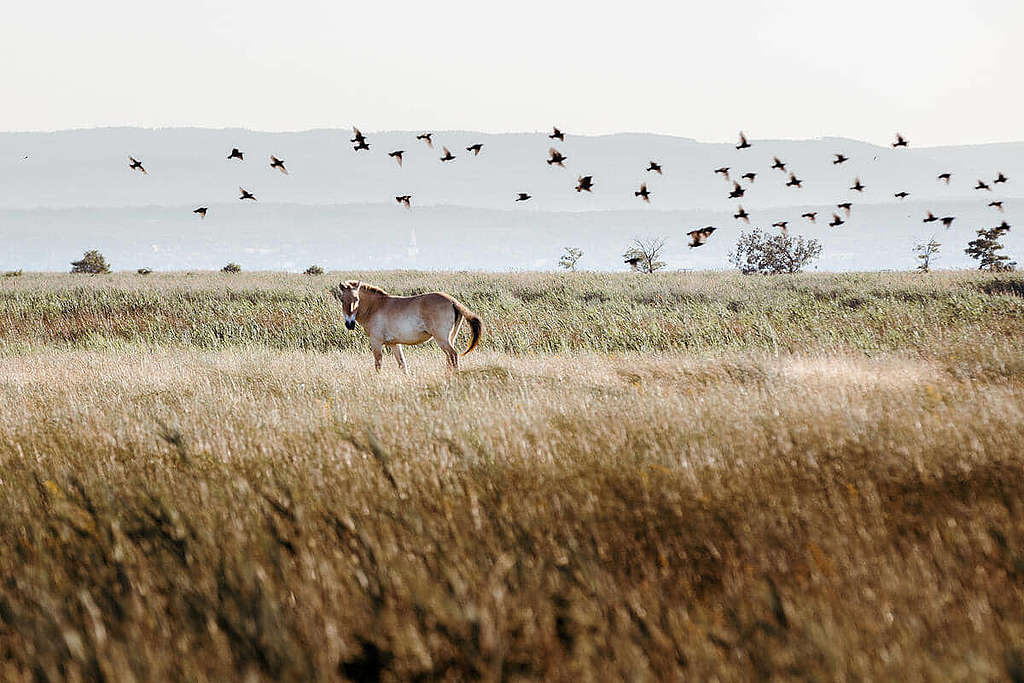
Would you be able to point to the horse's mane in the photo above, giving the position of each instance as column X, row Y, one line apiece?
column 367, row 288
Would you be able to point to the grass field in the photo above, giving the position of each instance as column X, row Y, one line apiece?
column 685, row 475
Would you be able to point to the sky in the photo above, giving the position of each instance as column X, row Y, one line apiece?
column 942, row 72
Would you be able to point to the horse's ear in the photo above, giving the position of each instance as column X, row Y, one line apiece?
column 359, row 283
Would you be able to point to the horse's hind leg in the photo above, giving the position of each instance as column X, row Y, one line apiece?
column 449, row 350
column 376, row 346
column 400, row 357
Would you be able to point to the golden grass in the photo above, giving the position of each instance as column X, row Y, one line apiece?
column 171, row 511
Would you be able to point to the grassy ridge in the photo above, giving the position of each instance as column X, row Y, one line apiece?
column 824, row 481
column 524, row 313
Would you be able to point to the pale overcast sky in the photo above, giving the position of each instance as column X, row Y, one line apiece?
column 943, row 72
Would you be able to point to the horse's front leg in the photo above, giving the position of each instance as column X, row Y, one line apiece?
column 376, row 345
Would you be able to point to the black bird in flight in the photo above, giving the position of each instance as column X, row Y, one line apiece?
column 742, row 215
column 996, row 205
column 522, row 197
column 779, row 164
column 945, row 177
column 781, row 225
column 947, row 221
column 743, row 142
column 556, row 157
column 360, row 140
column 1003, row 226
column 397, row 155
column 930, row 218
column 136, row 165
column 236, row 154
column 749, row 176
column 278, row 164
column 836, row 221
column 900, row 141
column 201, row 211
column 845, row 206
column 857, row 185
column 475, row 149
column 737, row 191
column 839, row 159
column 557, row 135
column 901, row 195
column 812, row 216
column 427, row 138
column 643, row 194
column 1000, row 178
column 982, row 185
column 405, row 200
column 700, row 236
column 448, row 156
column 633, row 262
column 246, row 194
column 585, row 183
column 654, row 166
column 723, row 171
column 794, row 181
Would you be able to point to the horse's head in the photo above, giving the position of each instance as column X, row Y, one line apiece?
column 350, row 302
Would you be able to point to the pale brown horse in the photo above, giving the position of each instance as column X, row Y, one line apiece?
column 395, row 320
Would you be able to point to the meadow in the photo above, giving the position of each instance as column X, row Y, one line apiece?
column 700, row 476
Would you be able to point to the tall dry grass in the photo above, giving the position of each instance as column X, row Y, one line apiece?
column 844, row 507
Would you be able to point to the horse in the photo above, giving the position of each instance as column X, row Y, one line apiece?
column 395, row 320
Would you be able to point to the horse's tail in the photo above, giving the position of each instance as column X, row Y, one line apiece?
column 476, row 326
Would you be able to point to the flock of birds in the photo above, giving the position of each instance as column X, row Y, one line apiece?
column 585, row 183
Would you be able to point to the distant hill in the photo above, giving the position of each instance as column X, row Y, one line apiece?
column 336, row 206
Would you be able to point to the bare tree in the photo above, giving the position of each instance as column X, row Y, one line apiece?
column 570, row 258
column 644, row 255
column 926, row 253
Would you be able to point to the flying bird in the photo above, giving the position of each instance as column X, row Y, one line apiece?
column 930, row 218
column 836, row 221
column 278, row 164
column 1003, row 226
column 723, row 171
column 857, row 185
column 812, row 216
column 236, row 154
column 737, row 191
column 839, row 159
column 781, row 225
column 448, row 156
column 700, row 236
column 901, row 195
column 633, row 262
column 742, row 215
column 427, row 138
column 475, row 149
column 845, row 206
column 585, row 183
column 1000, row 178
column 557, row 135
column 982, row 185
column 794, row 181
column 945, row 177
column 749, row 176
column 201, row 211
column 246, row 194
column 654, row 166
column 405, row 200
column 743, row 142
column 947, row 221
column 900, row 141
column 996, row 205
column 643, row 194
column 556, row 157
column 360, row 140
column 779, row 164
column 136, row 165
column 522, row 197
column 397, row 155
